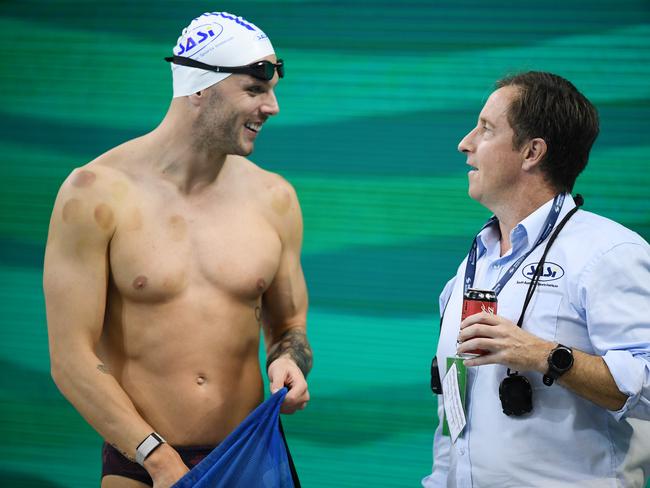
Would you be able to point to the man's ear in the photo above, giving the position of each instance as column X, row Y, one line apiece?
column 195, row 98
column 533, row 153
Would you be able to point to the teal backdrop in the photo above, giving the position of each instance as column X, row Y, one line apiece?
column 376, row 97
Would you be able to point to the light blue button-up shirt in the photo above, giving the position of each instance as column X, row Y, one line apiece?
column 594, row 295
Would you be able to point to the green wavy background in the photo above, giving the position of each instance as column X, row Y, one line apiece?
column 377, row 96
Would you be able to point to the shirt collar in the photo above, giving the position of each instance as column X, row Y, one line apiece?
column 524, row 234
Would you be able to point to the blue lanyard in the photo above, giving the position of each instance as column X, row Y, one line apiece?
column 470, row 268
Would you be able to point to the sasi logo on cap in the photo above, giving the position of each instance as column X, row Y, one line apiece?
column 197, row 37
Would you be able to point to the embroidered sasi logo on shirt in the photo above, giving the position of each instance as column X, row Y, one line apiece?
column 550, row 271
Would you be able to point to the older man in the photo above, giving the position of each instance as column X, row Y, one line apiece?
column 557, row 382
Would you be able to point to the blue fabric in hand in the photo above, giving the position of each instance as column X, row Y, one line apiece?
column 253, row 455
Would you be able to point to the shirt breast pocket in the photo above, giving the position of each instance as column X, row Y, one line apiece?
column 542, row 314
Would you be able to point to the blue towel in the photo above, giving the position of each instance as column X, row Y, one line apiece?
column 253, row 455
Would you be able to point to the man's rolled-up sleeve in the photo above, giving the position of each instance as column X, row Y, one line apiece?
column 616, row 292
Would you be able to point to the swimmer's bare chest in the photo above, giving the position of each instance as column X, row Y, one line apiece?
column 192, row 273
column 164, row 247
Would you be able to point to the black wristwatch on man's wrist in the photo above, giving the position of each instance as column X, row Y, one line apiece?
column 560, row 361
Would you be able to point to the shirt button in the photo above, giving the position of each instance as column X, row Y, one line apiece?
column 461, row 451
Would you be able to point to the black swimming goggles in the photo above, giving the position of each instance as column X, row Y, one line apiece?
column 262, row 70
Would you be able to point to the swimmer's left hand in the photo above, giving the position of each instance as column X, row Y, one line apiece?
column 284, row 372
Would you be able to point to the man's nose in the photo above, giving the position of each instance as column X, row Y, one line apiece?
column 271, row 106
column 465, row 145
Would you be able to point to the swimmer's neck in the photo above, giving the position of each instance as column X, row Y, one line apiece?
column 177, row 157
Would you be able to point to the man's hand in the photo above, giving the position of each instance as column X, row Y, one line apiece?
column 519, row 350
column 505, row 342
column 165, row 466
column 284, row 372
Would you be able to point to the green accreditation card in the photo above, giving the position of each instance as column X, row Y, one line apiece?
column 461, row 381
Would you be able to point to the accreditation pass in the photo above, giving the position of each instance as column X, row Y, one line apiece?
column 454, row 412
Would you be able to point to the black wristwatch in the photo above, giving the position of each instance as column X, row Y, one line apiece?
column 560, row 361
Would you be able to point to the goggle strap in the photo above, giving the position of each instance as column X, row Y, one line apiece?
column 193, row 63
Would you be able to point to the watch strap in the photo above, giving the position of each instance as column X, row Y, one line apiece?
column 548, row 379
column 150, row 443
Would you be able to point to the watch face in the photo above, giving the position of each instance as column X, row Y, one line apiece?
column 562, row 359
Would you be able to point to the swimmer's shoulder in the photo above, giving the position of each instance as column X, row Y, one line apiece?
column 83, row 205
column 276, row 196
column 113, row 172
column 264, row 183
column 102, row 183
column 94, row 181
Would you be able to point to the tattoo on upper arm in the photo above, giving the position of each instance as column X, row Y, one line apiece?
column 103, row 368
column 293, row 343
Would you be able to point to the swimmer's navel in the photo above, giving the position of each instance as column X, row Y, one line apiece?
column 200, row 380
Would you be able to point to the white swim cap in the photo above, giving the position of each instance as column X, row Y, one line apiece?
column 218, row 39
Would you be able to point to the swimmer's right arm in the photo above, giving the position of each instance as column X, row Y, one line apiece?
column 75, row 278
